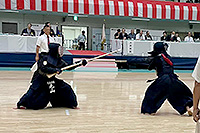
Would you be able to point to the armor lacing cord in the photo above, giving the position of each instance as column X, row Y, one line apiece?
column 167, row 60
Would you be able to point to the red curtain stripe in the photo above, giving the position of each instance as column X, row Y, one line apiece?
column 43, row 5
column 20, row 4
column 54, row 6
column 96, row 7
column 65, row 6
column 32, row 4
column 106, row 7
column 116, row 5
column 8, row 4
column 86, row 6
column 126, row 8
column 76, row 6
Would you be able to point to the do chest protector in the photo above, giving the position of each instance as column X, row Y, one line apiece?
column 167, row 65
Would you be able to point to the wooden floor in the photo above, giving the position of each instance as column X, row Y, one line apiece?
column 109, row 102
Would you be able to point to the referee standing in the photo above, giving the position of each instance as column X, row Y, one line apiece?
column 43, row 42
column 81, row 41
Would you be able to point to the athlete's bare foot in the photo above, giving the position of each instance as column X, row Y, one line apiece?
column 189, row 111
column 75, row 107
column 20, row 107
column 149, row 114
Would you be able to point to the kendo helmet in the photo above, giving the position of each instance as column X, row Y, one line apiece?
column 159, row 47
column 55, row 53
column 55, row 50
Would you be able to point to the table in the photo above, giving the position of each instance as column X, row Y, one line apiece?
column 140, row 48
column 17, row 43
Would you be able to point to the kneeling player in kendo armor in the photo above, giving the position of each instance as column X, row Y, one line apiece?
column 43, row 89
column 166, row 86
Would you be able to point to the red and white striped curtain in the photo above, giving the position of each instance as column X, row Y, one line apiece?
column 129, row 8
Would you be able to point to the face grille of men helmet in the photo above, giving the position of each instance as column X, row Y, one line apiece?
column 60, row 51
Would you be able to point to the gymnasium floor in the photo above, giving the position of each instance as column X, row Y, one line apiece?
column 109, row 102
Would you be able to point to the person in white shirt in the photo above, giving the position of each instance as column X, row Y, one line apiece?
column 189, row 38
column 81, row 40
column 140, row 36
column 43, row 42
column 196, row 91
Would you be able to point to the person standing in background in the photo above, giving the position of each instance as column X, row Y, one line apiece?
column 81, row 41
